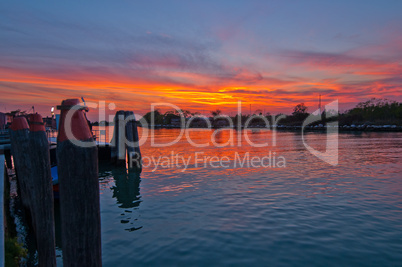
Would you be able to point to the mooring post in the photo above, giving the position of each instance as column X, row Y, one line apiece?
column 128, row 117
column 133, row 147
column 42, row 210
column 19, row 137
column 113, row 149
column 115, row 146
column 136, row 138
column 77, row 157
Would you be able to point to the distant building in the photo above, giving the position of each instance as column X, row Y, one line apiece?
column 3, row 121
column 49, row 122
column 9, row 118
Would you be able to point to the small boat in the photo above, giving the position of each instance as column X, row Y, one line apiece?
column 55, row 180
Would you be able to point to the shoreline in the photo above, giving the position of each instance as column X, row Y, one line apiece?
column 345, row 128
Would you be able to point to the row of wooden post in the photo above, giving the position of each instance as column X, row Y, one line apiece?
column 30, row 150
column 78, row 180
column 78, row 183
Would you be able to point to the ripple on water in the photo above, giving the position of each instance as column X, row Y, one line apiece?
column 308, row 213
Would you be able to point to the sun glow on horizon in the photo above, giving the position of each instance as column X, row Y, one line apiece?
column 198, row 64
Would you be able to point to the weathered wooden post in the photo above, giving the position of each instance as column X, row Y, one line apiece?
column 116, row 144
column 125, row 139
column 136, row 138
column 129, row 132
column 30, row 151
column 113, row 142
column 19, row 137
column 133, row 148
column 77, row 156
column 41, row 191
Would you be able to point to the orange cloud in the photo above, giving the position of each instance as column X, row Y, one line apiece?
column 346, row 78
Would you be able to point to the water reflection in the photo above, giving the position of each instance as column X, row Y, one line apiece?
column 311, row 209
column 126, row 190
column 127, row 187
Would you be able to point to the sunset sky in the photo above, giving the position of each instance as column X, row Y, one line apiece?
column 199, row 55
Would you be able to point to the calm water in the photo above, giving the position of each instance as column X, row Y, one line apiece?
column 307, row 213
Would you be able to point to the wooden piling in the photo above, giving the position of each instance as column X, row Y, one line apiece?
column 133, row 148
column 116, row 147
column 30, row 151
column 125, row 139
column 113, row 149
column 19, row 137
column 42, row 205
column 129, row 132
column 136, row 138
column 79, row 190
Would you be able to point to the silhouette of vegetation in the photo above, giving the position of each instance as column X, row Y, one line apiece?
column 373, row 112
column 154, row 115
column 298, row 116
column 14, row 252
column 216, row 113
column 299, row 109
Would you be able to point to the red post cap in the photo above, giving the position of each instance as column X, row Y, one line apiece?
column 76, row 123
column 36, row 123
column 19, row 123
column 70, row 103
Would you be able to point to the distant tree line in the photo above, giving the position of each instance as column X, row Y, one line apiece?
column 373, row 111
